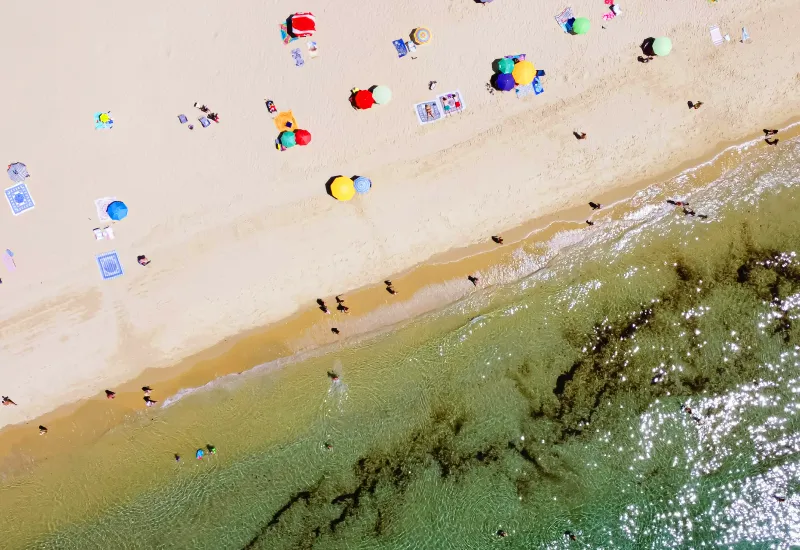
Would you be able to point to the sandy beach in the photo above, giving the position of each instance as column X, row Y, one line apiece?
column 241, row 236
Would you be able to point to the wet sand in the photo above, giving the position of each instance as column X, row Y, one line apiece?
column 423, row 289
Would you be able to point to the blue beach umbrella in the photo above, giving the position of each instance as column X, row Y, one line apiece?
column 505, row 82
column 117, row 210
column 362, row 184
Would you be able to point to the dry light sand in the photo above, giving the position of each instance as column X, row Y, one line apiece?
column 240, row 235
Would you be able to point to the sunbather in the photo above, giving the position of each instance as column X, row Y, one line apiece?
column 142, row 260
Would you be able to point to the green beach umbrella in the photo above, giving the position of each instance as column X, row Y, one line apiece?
column 580, row 25
column 288, row 139
column 662, row 46
column 505, row 65
column 382, row 95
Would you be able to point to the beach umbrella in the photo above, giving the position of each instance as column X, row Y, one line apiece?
column 302, row 137
column 505, row 65
column 524, row 72
column 421, row 36
column 362, row 184
column 301, row 24
column 363, row 99
column 504, row 82
column 18, row 172
column 117, row 210
column 288, row 139
column 486, row 1
column 382, row 95
column 662, row 46
column 580, row 25
column 342, row 189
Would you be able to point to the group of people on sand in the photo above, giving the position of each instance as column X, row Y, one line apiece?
column 147, row 399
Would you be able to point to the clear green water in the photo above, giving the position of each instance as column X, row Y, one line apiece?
column 550, row 404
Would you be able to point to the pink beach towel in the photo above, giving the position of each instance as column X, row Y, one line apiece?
column 9, row 261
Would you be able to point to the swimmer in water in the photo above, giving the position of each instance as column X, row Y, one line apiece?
column 328, row 446
column 147, row 390
column 211, row 449
column 569, row 535
column 149, row 402
column 595, row 206
column 333, row 376
column 177, row 457
column 502, row 533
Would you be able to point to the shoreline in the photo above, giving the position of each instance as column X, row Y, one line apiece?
column 304, row 334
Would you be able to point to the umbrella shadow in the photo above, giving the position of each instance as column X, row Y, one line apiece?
column 328, row 186
column 647, row 46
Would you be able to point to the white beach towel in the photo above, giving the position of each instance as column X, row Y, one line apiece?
column 716, row 35
column 109, row 232
column 101, row 205
column 98, row 234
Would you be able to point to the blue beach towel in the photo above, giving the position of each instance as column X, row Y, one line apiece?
column 400, row 46
column 204, row 122
column 183, row 119
column 537, row 86
column 19, row 198
column 109, row 264
column 297, row 55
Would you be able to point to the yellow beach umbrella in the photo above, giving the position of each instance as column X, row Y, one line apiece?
column 524, row 72
column 342, row 189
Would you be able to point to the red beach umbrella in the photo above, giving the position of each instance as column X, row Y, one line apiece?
column 363, row 99
column 302, row 137
column 302, row 24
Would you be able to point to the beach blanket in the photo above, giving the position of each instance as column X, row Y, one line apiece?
column 101, row 205
column 297, row 55
column 182, row 119
column 285, row 37
column 428, row 112
column 8, row 260
column 534, row 88
column 204, row 122
column 565, row 19
column 716, row 35
column 313, row 50
column 19, row 198
column 109, row 264
column 99, row 124
column 400, row 47
column 451, row 102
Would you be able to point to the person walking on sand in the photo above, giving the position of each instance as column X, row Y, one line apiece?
column 42, row 430
column 498, row 239
column 595, row 206
column 695, row 105
column 7, row 401
column 589, row 222
column 322, row 306
column 390, row 289
column 770, row 132
column 772, row 142
column 473, row 279
column 147, row 390
column 143, row 261
column 149, row 402
column 335, row 330
column 110, row 394
column 581, row 135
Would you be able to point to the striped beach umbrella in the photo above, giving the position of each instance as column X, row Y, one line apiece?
column 18, row 172
column 362, row 184
column 422, row 36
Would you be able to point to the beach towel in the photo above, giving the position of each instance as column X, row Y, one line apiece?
column 428, row 112
column 285, row 37
column 297, row 55
column 517, row 57
column 400, row 47
column 19, row 198
column 565, row 19
column 745, row 35
column 109, row 264
column 8, row 260
column 534, row 88
column 183, row 119
column 716, row 35
column 609, row 15
column 101, row 205
column 313, row 50
column 204, row 122
column 451, row 102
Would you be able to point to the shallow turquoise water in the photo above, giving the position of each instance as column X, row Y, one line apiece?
column 556, row 403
